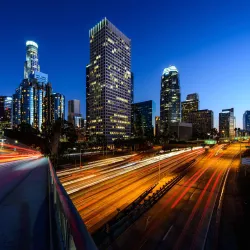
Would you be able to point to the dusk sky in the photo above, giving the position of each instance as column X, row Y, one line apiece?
column 208, row 42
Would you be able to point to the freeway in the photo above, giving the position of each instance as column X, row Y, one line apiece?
column 182, row 217
column 100, row 192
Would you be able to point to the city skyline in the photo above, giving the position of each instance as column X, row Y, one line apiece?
column 206, row 66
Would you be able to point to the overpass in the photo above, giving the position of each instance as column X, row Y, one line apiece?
column 35, row 210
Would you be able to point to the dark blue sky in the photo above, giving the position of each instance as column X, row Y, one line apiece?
column 208, row 41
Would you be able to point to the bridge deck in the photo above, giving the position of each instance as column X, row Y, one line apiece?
column 24, row 210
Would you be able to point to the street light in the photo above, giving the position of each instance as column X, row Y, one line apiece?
column 80, row 157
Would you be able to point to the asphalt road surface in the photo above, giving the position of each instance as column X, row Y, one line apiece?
column 181, row 219
column 98, row 191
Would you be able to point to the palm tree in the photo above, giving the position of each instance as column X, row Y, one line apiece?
column 238, row 131
column 235, row 131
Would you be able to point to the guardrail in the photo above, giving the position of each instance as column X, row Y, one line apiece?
column 72, row 234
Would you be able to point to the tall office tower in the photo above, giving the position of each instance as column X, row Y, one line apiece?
column 246, row 120
column 47, row 111
column 226, row 123
column 143, row 118
column 57, row 107
column 16, row 108
column 191, row 104
column 132, row 87
column 31, row 64
column 170, row 110
column 108, row 83
column 157, row 126
column 5, row 111
column 202, row 122
column 73, row 110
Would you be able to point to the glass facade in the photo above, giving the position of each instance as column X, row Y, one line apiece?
column 28, row 104
column 58, row 106
column 6, row 111
column 31, row 64
column 143, row 118
column 170, row 109
column 191, row 104
column 246, row 120
column 73, row 110
column 108, row 83
column 226, row 123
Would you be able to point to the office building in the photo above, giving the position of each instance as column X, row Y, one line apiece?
column 32, row 101
column 132, row 87
column 47, row 112
column 181, row 131
column 31, row 64
column 191, row 104
column 73, row 110
column 157, row 126
column 142, row 118
column 226, row 123
column 108, row 83
column 28, row 104
column 170, row 109
column 246, row 121
column 78, row 121
column 202, row 122
column 5, row 111
column 58, row 107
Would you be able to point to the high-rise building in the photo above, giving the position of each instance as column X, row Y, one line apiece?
column 226, row 123
column 47, row 105
column 58, row 106
column 108, row 83
column 31, row 64
column 170, row 110
column 191, row 104
column 28, row 104
column 5, row 111
column 246, row 120
column 157, row 126
column 142, row 118
column 132, row 87
column 202, row 122
column 73, row 110
column 32, row 101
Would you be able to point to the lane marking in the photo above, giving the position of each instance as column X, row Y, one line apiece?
column 166, row 235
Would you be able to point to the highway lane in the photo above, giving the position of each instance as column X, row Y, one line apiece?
column 181, row 219
column 98, row 196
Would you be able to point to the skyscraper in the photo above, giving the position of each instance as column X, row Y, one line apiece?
column 191, row 104
column 73, row 110
column 170, row 110
column 108, row 83
column 202, row 122
column 5, row 111
column 58, row 106
column 31, row 64
column 32, row 103
column 143, row 118
column 246, row 120
column 28, row 104
column 226, row 123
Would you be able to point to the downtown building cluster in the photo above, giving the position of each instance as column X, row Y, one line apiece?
column 33, row 102
column 110, row 109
